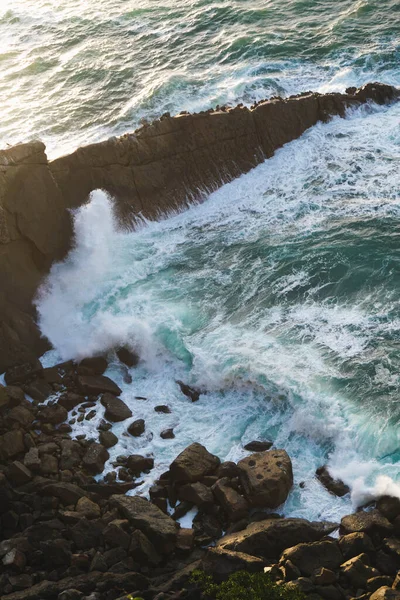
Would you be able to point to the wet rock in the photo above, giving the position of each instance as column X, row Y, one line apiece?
column 372, row 523
column 39, row 390
column 193, row 463
column 188, row 391
column 12, row 444
column 181, row 510
column 228, row 469
column 334, row 486
column 23, row 372
column 312, row 556
column 137, row 427
column 162, row 408
column 167, row 434
column 270, row 537
column 108, row 439
column 389, row 507
column 54, row 414
column 95, row 458
column 234, row 505
column 68, row 493
column 95, row 385
column 70, row 400
column 139, row 464
column 266, row 477
column 96, row 364
column 221, row 563
column 160, row 529
column 258, row 446
column 353, row 544
column 197, row 494
column 207, row 528
column 116, row 410
column 128, row 357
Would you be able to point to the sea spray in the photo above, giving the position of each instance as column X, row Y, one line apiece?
column 278, row 296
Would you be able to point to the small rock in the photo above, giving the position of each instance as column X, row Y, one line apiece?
column 87, row 508
column 162, row 408
column 258, row 446
column 128, row 357
column 139, row 464
column 137, row 427
column 15, row 559
column 95, row 458
column 12, row 443
column 108, row 439
column 188, row 391
column 116, row 410
column 334, row 486
column 19, row 473
column 266, row 477
column 197, row 493
column 97, row 364
column 167, row 434
column 32, row 460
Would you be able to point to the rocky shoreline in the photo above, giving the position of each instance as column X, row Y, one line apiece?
column 67, row 533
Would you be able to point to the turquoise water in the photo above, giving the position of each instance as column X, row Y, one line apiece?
column 279, row 295
column 75, row 72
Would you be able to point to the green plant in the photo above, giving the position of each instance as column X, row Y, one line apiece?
column 243, row 586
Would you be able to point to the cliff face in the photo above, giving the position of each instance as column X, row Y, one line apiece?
column 158, row 168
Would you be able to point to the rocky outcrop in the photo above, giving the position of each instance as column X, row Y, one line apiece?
column 159, row 168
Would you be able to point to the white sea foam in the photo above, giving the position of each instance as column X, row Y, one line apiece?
column 251, row 295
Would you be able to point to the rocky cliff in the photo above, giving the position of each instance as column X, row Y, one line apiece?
column 158, row 168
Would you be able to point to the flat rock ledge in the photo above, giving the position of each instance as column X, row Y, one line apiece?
column 67, row 536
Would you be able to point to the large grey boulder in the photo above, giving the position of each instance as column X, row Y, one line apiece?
column 267, row 477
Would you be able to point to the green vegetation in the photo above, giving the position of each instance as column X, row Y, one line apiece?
column 243, row 586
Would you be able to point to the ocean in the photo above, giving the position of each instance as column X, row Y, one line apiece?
column 279, row 295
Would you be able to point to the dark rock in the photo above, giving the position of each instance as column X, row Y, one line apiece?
column 108, row 439
column 70, row 594
column 270, row 537
column 220, row 563
column 98, row 563
column 181, row 510
column 137, row 427
column 128, row 357
column 15, row 559
column 312, row 556
column 95, row 385
column 71, row 454
column 372, row 523
column 149, row 519
column 375, row 583
column 68, row 493
column 23, row 372
column 114, row 535
column 54, row 414
column 95, row 458
column 167, row 434
column 334, row 486
column 142, row 550
column 87, row 508
column 193, row 463
column 96, row 364
column 21, row 415
column 389, row 507
column 162, row 408
column 15, row 395
column 207, row 528
column 139, row 464
column 19, row 473
column 38, row 389
column 116, row 410
column 385, row 593
column 56, row 553
column 228, row 469
column 32, row 460
column 197, row 494
column 258, row 446
column 323, row 576
column 12, row 444
column 353, row 544
column 86, row 534
column 52, row 375
column 188, row 391
column 235, row 506
column 70, row 400
column 357, row 571
column 266, row 477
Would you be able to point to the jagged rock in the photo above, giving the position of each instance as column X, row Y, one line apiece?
column 21, row 415
column 372, row 523
column 357, row 571
column 335, row 486
column 185, row 540
column 98, row 563
column 70, row 400
column 258, row 446
column 96, row 364
column 71, row 454
column 323, row 576
column 56, row 553
column 38, row 389
column 95, row 458
column 139, row 464
column 19, row 473
column 48, row 465
column 375, row 583
column 93, row 385
column 86, row 534
column 15, row 559
column 128, row 357
column 70, row 594
column 137, row 428
column 114, row 534
column 116, row 410
column 32, row 460
column 188, row 391
column 385, row 593
column 108, row 439
column 235, row 506
column 142, row 550
column 228, row 469
column 12, row 444
column 149, row 519
column 23, row 372
column 270, row 537
column 389, row 507
column 354, row 544
column 54, row 414
column 266, row 477
column 68, row 493
column 87, row 508
column 196, row 493
column 15, row 395
column 193, row 463
column 310, row 557
column 221, row 563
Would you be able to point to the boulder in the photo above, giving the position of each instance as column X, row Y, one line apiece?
column 188, row 391
column 196, row 493
column 234, row 505
column 32, row 460
column 270, row 537
column 71, row 454
column 167, row 434
column 357, row 571
column 139, row 464
column 372, row 523
column 96, row 364
column 142, row 550
column 108, row 439
column 19, row 473
column 38, row 389
column 385, row 593
column 128, row 357
column 221, row 563
column 22, row 415
column 137, row 428
column 160, row 529
column 185, row 540
column 86, row 534
column 389, row 507
column 312, row 556
column 95, row 458
column 54, row 414
column 266, row 477
column 334, row 486
column 87, row 508
column 94, row 385
column 23, row 372
column 68, row 493
column 354, row 544
column 162, row 408
column 12, row 444
column 4, row 398
column 70, row 400
column 15, row 395
column 193, row 463
column 116, row 410
column 258, row 446
column 375, row 583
